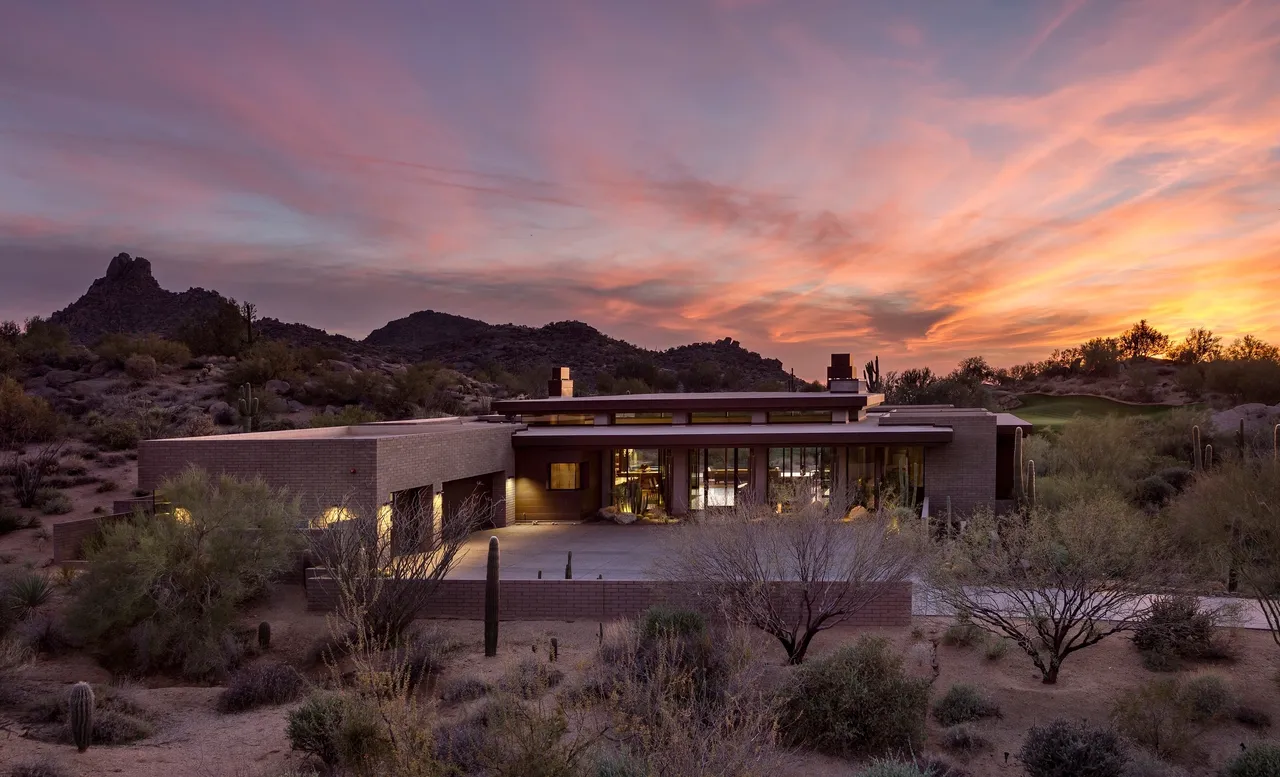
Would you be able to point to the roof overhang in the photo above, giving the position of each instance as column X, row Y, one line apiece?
column 729, row 435
column 688, row 402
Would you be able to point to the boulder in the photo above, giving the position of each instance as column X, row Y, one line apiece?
column 1255, row 416
column 295, row 406
column 60, row 378
column 220, row 410
column 339, row 366
column 614, row 515
column 277, row 387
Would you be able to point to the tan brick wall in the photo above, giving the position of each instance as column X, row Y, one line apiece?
column 69, row 537
column 965, row 469
column 602, row 599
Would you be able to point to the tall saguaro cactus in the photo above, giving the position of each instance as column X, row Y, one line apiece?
column 80, row 713
column 1240, row 439
column 1208, row 456
column 871, row 372
column 568, row 567
column 1196, row 450
column 1275, row 443
column 1031, row 482
column 1020, row 466
column 248, row 407
column 491, row 601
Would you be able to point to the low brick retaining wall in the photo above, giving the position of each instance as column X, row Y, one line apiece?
column 599, row 600
column 69, row 537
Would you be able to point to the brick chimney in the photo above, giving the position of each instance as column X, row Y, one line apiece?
column 840, row 377
column 560, row 385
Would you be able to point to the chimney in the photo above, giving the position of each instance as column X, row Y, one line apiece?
column 840, row 375
column 560, row 385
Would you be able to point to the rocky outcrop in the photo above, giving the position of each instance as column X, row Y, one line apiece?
column 128, row 299
column 1257, row 417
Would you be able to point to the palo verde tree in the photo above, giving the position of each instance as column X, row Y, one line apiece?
column 1053, row 582
column 832, row 568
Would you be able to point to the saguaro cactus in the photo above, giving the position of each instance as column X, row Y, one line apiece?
column 248, row 407
column 1020, row 467
column 1240, row 439
column 1196, row 450
column 1031, row 482
column 1275, row 443
column 555, row 649
column 80, row 709
column 264, row 636
column 871, row 372
column 491, row 601
column 568, row 567
column 1208, row 456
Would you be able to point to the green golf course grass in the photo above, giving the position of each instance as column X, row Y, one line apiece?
column 1045, row 410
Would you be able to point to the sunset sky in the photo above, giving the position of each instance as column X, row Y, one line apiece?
column 924, row 180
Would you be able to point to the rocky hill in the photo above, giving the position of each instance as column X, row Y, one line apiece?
column 128, row 299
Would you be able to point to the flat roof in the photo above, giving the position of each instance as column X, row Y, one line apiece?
column 689, row 401
column 728, row 435
column 378, row 430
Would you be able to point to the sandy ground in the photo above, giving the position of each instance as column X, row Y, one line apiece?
column 193, row 739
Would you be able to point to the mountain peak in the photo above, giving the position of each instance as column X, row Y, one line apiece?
column 124, row 271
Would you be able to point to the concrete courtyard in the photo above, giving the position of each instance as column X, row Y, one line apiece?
column 599, row 549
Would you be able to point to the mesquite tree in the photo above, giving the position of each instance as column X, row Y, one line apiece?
column 832, row 568
column 1053, row 582
column 382, row 587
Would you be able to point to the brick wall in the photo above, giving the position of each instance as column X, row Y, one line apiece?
column 964, row 469
column 69, row 537
column 600, row 600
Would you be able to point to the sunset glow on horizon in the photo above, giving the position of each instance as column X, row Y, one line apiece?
column 925, row 181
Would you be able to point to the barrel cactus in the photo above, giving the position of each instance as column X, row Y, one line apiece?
column 80, row 713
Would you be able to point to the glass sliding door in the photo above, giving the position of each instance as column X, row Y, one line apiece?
column 718, row 477
column 799, row 477
column 640, row 478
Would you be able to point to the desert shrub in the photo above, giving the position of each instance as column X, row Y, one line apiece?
column 27, row 593
column 1063, row 749
column 963, row 704
column 199, row 425
column 117, row 349
column 351, row 415
column 117, row 718
column 658, row 621
column 1261, row 760
column 107, row 486
column 55, row 503
column 996, row 649
column 162, row 592
column 315, row 727
column 1207, row 697
column 461, row 745
column 531, row 741
column 884, row 768
column 44, row 633
column 260, row 685
column 1176, row 627
column 422, row 658
column 1154, row 491
column 37, row 769
column 73, row 466
column 115, row 434
column 265, row 360
column 530, row 679
column 1251, row 717
column 857, row 700
column 11, row 520
column 619, row 765
column 963, row 633
column 1177, row 477
column 25, row 418
column 141, row 367
column 1156, row 715
column 465, row 689
column 963, row 738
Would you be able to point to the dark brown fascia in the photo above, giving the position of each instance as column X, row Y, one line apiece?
column 680, row 436
column 717, row 402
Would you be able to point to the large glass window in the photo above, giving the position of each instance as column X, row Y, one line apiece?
column 740, row 417
column 718, row 477
column 799, row 416
column 799, row 477
column 565, row 476
column 560, row 419
column 903, row 475
column 625, row 419
column 640, row 478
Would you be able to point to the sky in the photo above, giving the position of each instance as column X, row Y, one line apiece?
column 920, row 180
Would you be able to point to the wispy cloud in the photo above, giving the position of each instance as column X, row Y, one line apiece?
column 804, row 177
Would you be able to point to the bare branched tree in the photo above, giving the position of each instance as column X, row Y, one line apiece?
column 1054, row 582
column 387, row 570
column 832, row 567
column 29, row 470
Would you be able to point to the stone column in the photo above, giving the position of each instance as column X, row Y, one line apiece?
column 679, row 479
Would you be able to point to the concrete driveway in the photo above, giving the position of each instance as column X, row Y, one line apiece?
column 599, row 549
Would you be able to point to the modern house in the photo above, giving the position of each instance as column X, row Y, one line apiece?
column 564, row 458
